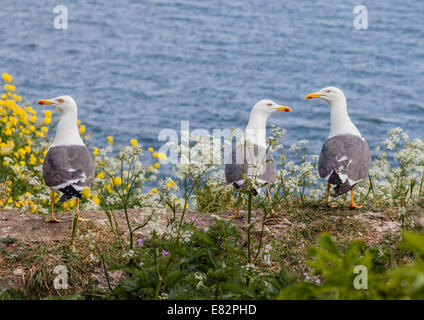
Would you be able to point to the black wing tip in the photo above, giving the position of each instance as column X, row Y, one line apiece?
column 68, row 193
column 64, row 198
column 341, row 189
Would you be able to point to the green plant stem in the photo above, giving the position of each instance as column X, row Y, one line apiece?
column 421, row 187
column 249, row 236
column 249, row 219
column 106, row 273
column 160, row 279
column 261, row 235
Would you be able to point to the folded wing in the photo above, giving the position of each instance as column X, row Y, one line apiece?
column 68, row 169
column 344, row 161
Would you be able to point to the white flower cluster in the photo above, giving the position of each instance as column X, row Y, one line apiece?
column 397, row 172
column 300, row 178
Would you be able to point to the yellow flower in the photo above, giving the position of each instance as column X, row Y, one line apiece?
column 47, row 113
column 150, row 149
column 96, row 151
column 154, row 190
column 47, row 120
column 82, row 129
column 22, row 152
column 7, row 77
column 151, row 168
column 162, row 157
column 44, row 129
column 86, row 193
column 133, row 142
column 109, row 139
column 78, row 122
column 155, row 155
column 10, row 104
column 9, row 87
column 96, row 200
column 101, row 175
column 117, row 181
column 157, row 165
column 170, row 184
column 32, row 160
column 33, row 119
column 69, row 204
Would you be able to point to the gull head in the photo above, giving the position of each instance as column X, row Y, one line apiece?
column 268, row 107
column 329, row 94
column 64, row 104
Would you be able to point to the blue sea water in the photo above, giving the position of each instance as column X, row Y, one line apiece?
column 136, row 67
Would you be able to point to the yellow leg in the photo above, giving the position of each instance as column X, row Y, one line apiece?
column 327, row 198
column 273, row 214
column 352, row 202
column 78, row 215
column 52, row 217
column 237, row 215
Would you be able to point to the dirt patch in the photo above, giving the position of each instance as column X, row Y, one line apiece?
column 29, row 227
column 379, row 223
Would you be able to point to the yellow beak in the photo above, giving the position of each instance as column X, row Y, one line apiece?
column 45, row 101
column 313, row 95
column 283, row 108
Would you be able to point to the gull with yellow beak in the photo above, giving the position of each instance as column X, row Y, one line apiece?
column 252, row 157
column 68, row 166
column 345, row 157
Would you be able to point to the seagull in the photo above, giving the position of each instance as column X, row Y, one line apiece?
column 252, row 157
column 345, row 157
column 68, row 165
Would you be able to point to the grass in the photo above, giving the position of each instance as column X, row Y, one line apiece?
column 87, row 276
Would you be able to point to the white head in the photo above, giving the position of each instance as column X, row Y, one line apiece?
column 339, row 118
column 256, row 128
column 268, row 107
column 67, row 129
column 329, row 94
column 64, row 104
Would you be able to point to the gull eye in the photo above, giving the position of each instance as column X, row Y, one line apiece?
column 269, row 104
column 327, row 90
column 60, row 100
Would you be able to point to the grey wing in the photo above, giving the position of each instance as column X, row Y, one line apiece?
column 68, row 165
column 234, row 170
column 344, row 157
column 270, row 169
column 358, row 170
